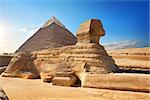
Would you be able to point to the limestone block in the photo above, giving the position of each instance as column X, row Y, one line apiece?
column 64, row 74
column 64, row 81
column 21, row 65
column 46, row 77
column 119, row 81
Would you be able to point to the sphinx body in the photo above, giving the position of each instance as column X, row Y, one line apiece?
column 21, row 65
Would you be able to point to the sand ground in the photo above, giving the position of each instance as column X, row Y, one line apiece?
column 35, row 89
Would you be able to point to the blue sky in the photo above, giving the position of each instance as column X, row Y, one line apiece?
column 126, row 22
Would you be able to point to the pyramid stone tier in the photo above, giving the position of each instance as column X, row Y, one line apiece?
column 53, row 34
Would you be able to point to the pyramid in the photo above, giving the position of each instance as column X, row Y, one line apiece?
column 52, row 34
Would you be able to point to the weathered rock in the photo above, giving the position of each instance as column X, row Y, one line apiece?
column 64, row 76
column 21, row 66
column 46, row 77
column 64, row 79
column 90, row 31
column 94, row 55
column 119, row 81
column 3, row 96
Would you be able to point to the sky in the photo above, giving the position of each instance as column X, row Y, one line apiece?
column 126, row 22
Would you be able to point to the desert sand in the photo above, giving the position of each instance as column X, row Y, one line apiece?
column 35, row 89
column 133, row 58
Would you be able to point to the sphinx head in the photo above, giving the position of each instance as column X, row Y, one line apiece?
column 90, row 31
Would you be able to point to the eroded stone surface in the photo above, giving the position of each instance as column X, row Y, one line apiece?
column 94, row 55
column 46, row 76
column 90, row 31
column 21, row 66
column 119, row 81
column 64, row 78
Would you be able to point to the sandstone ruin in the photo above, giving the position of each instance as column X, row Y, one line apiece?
column 86, row 63
column 21, row 65
column 90, row 31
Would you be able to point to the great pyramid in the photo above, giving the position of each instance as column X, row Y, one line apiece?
column 52, row 34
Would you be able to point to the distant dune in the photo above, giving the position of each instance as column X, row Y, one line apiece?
column 137, row 59
column 132, row 51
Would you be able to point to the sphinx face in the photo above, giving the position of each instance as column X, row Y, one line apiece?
column 97, row 28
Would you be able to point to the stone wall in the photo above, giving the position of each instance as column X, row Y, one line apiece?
column 119, row 81
column 4, row 60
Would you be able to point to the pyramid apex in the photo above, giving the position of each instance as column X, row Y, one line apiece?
column 53, row 19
